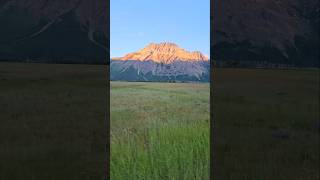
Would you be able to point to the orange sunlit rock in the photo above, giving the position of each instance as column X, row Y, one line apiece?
column 164, row 53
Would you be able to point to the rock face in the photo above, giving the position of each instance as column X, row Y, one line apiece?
column 279, row 31
column 68, row 31
column 77, row 31
column 161, row 62
column 164, row 53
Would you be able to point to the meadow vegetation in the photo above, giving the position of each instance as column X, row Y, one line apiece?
column 266, row 124
column 53, row 121
column 160, row 131
column 53, row 124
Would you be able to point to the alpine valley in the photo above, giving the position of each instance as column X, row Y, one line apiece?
column 164, row 62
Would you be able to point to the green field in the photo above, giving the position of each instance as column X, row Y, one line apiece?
column 53, row 124
column 266, row 124
column 160, row 131
column 53, row 121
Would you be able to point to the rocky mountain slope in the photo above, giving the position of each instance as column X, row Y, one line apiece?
column 279, row 31
column 164, row 53
column 69, row 31
column 161, row 62
column 76, row 31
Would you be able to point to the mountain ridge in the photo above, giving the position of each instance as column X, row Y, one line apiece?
column 77, row 31
column 54, row 31
column 165, row 62
column 282, row 31
column 165, row 52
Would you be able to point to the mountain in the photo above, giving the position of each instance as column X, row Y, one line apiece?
column 68, row 31
column 164, row 53
column 279, row 31
column 161, row 62
column 77, row 31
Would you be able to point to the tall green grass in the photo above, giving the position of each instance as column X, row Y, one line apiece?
column 159, row 131
column 52, row 121
column 266, row 124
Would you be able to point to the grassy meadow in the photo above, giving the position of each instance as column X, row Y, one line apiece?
column 53, row 121
column 53, row 124
column 266, row 124
column 159, row 131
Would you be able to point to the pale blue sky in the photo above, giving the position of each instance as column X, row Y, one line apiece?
column 136, row 23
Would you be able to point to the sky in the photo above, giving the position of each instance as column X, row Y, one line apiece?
column 136, row 23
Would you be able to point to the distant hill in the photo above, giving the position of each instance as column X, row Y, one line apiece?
column 161, row 62
column 68, row 31
column 279, row 31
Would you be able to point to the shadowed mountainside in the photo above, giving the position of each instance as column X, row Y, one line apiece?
column 282, row 31
column 70, row 31
column 76, row 31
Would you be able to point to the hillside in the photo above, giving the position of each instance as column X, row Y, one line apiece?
column 282, row 31
column 161, row 62
column 69, row 31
